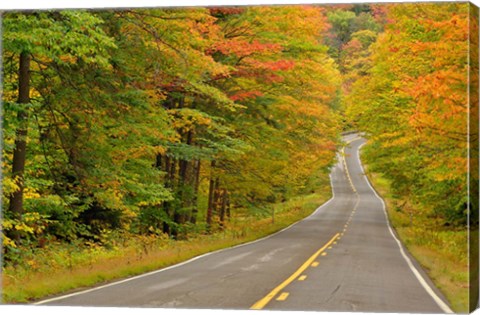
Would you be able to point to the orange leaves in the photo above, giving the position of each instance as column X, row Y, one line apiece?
column 427, row 52
column 265, row 71
column 304, row 22
column 393, row 49
column 243, row 95
column 439, row 84
column 215, row 11
column 454, row 27
column 243, row 48
column 440, row 103
column 279, row 65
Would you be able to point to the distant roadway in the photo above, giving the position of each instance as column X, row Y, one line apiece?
column 344, row 257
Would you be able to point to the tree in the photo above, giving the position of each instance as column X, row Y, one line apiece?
column 286, row 83
column 45, row 39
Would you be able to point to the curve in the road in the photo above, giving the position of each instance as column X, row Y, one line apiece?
column 441, row 304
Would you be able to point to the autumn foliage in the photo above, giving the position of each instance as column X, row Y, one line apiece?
column 413, row 102
column 170, row 123
column 162, row 121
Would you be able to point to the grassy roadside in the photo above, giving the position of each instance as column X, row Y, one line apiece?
column 60, row 268
column 442, row 252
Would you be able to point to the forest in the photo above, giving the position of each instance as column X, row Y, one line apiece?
column 158, row 126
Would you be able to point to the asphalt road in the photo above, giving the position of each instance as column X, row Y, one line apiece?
column 344, row 257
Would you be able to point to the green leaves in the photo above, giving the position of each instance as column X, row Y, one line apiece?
column 63, row 37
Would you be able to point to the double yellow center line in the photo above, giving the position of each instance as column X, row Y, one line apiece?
column 346, row 167
column 260, row 304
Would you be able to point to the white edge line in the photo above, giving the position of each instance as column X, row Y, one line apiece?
column 185, row 262
column 417, row 274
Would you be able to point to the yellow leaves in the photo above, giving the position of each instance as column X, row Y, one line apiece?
column 440, row 97
column 9, row 186
column 111, row 197
column 292, row 20
column 159, row 149
column 24, row 228
column 141, row 151
column 158, row 232
column 68, row 58
column 448, row 169
column 30, row 193
column 31, row 219
column 9, row 94
column 31, row 224
column 8, row 242
column 187, row 119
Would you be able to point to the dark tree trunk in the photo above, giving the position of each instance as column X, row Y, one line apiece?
column 19, row 153
column 185, row 186
column 223, row 208
column 166, row 226
column 158, row 161
column 210, row 196
column 193, row 218
column 216, row 196
column 228, row 205
column 169, row 183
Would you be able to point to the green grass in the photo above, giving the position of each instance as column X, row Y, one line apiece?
column 60, row 268
column 441, row 251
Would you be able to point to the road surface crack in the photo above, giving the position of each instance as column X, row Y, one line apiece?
column 333, row 293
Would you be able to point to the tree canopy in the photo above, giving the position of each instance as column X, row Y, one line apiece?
column 412, row 102
column 155, row 120
column 171, row 121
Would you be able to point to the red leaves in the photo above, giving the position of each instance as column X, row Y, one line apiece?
column 280, row 65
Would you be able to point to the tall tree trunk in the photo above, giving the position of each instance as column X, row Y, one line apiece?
column 158, row 161
column 228, row 205
column 210, row 197
column 180, row 214
column 185, row 181
column 216, row 196
column 19, row 153
column 193, row 218
column 223, row 208
column 169, row 178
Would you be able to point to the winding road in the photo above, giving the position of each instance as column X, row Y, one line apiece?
column 344, row 257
